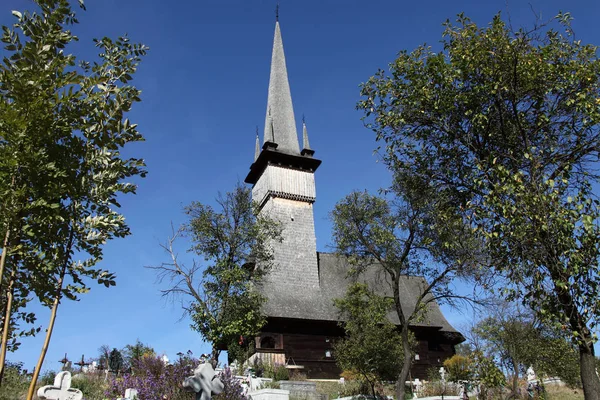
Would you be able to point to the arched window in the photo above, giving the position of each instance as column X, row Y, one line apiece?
column 268, row 342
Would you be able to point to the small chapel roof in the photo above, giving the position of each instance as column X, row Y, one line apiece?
column 286, row 300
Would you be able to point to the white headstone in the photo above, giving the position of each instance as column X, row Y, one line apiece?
column 61, row 390
column 530, row 374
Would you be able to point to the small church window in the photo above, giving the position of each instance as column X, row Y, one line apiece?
column 268, row 342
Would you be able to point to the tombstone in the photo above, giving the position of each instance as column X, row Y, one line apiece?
column 417, row 387
column 130, row 394
column 61, row 390
column 443, row 374
column 204, row 382
column 531, row 374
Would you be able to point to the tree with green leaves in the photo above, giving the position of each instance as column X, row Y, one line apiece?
column 413, row 231
column 219, row 295
column 372, row 347
column 134, row 353
column 62, row 128
column 518, row 341
column 507, row 123
column 115, row 361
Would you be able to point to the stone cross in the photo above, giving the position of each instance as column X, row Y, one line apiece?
column 443, row 374
column 61, row 390
column 204, row 382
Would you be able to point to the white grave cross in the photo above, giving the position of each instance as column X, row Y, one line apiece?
column 204, row 382
column 61, row 390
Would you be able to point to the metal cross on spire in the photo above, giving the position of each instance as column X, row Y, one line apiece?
column 277, row 12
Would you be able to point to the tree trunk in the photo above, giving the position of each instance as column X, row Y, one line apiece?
column 6, row 324
column 515, row 382
column 406, row 364
column 3, row 256
column 38, row 367
column 214, row 357
column 589, row 378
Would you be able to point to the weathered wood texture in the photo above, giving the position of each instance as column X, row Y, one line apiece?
column 310, row 344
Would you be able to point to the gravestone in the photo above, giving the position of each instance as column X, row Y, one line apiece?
column 204, row 382
column 61, row 390
column 302, row 390
column 130, row 394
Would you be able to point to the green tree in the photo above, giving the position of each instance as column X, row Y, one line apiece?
column 134, row 353
column 60, row 167
column 412, row 232
column 460, row 368
column 372, row 346
column 518, row 341
column 507, row 124
column 219, row 295
column 115, row 361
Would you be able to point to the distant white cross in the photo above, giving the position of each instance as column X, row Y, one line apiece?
column 61, row 390
column 204, row 382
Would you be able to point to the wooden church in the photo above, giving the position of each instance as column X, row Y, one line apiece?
column 302, row 319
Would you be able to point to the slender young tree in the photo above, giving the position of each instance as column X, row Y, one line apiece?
column 219, row 295
column 508, row 124
column 63, row 170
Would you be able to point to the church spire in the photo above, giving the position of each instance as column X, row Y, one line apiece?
column 280, row 125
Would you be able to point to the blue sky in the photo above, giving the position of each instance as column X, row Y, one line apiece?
column 204, row 91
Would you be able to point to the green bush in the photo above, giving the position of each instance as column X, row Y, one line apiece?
column 47, row 378
column 92, row 385
column 15, row 381
column 281, row 373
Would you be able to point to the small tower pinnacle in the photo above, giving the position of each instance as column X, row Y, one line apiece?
column 257, row 146
column 306, row 150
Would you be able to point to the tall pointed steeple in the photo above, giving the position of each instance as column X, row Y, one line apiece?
column 279, row 121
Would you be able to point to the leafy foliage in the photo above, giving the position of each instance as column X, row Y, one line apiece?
column 115, row 361
column 15, row 381
column 234, row 242
column 134, row 353
column 232, row 389
column 373, row 346
column 62, row 126
column 519, row 342
column 507, row 125
column 414, row 231
column 154, row 380
column 459, row 368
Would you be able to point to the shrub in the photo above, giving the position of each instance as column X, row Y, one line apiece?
column 459, row 368
column 154, row 380
column 15, row 381
column 47, row 378
column 232, row 389
column 91, row 385
column 281, row 373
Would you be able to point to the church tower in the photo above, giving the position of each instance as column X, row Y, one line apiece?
column 283, row 182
